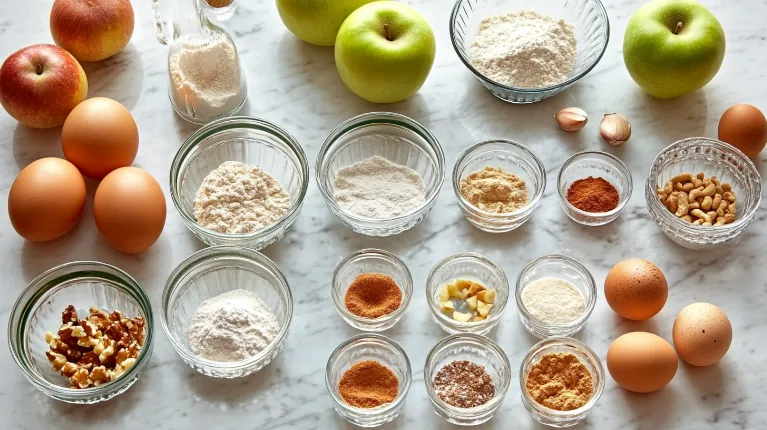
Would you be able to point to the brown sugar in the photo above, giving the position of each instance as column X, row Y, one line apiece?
column 373, row 295
column 560, row 381
column 368, row 384
column 593, row 195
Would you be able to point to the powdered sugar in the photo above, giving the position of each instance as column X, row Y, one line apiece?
column 553, row 300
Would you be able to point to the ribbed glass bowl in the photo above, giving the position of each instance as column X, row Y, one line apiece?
column 83, row 284
column 394, row 137
column 713, row 158
column 248, row 140
column 212, row 272
column 592, row 31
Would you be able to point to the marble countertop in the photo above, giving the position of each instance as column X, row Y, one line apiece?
column 296, row 85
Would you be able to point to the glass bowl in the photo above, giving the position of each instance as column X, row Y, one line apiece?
column 592, row 31
column 368, row 347
column 250, row 141
column 512, row 157
column 371, row 261
column 596, row 164
column 212, row 272
column 473, row 267
column 480, row 350
column 83, row 284
column 394, row 137
column 714, row 158
column 587, row 356
column 562, row 267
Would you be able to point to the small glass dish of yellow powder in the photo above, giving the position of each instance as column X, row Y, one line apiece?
column 498, row 184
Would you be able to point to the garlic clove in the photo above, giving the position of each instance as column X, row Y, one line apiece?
column 571, row 119
column 615, row 129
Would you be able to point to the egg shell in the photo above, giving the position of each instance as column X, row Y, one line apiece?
column 702, row 334
column 99, row 136
column 744, row 127
column 636, row 289
column 641, row 362
column 129, row 208
column 46, row 199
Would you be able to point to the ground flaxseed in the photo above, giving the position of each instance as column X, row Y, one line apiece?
column 464, row 384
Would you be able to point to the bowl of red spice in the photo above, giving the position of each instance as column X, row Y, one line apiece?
column 594, row 187
column 372, row 289
column 368, row 377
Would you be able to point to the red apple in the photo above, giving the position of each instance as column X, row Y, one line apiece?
column 92, row 30
column 41, row 84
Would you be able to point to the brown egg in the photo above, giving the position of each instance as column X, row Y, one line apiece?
column 641, row 362
column 46, row 199
column 702, row 334
column 129, row 208
column 636, row 289
column 99, row 136
column 744, row 127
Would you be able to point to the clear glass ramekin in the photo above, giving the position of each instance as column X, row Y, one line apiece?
column 368, row 347
column 211, row 272
column 512, row 157
column 371, row 261
column 592, row 31
column 586, row 355
column 713, row 158
column 248, row 140
column 562, row 267
column 480, row 350
column 83, row 284
column 473, row 267
column 392, row 136
column 596, row 164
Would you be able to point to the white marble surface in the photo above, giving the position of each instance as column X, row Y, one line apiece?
column 296, row 86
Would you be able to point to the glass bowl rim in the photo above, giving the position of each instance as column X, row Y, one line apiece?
column 202, row 256
column 388, row 119
column 229, row 123
column 475, row 72
column 624, row 199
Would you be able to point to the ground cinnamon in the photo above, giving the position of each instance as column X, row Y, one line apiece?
column 560, row 381
column 368, row 384
column 593, row 195
column 373, row 295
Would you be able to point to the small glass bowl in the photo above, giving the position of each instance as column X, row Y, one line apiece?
column 480, row 350
column 248, row 140
column 371, row 261
column 596, row 164
column 713, row 158
column 592, row 31
column 83, row 284
column 562, row 267
column 512, row 157
column 211, row 272
column 587, row 356
column 473, row 267
column 368, row 347
column 392, row 136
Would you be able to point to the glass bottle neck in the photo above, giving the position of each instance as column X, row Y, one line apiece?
column 190, row 18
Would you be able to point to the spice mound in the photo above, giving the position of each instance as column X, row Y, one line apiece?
column 95, row 350
column 466, row 301
column 373, row 295
column 464, row 384
column 237, row 199
column 368, row 384
column 232, row 326
column 560, row 381
column 553, row 300
column 493, row 190
column 593, row 195
column 699, row 200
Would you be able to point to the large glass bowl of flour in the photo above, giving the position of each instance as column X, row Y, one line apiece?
column 507, row 41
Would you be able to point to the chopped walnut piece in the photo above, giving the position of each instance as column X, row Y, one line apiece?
column 80, row 379
column 100, row 375
column 69, row 315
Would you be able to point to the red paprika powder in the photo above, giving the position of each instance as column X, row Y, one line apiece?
column 593, row 195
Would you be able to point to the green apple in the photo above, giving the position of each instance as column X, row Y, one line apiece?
column 673, row 47
column 316, row 21
column 384, row 51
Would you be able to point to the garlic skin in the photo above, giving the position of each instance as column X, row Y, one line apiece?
column 615, row 129
column 571, row 119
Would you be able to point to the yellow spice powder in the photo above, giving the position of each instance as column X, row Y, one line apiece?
column 560, row 381
column 494, row 190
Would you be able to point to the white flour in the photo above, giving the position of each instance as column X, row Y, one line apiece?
column 378, row 188
column 232, row 327
column 525, row 49
column 553, row 300
column 237, row 198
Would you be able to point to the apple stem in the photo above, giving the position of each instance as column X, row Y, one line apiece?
column 678, row 28
column 386, row 31
column 39, row 69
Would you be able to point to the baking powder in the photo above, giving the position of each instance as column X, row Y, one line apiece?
column 553, row 300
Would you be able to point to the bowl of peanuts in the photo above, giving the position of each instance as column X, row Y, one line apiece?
column 702, row 192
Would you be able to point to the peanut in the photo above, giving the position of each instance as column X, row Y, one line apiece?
column 720, row 221
column 700, row 176
column 695, row 193
column 706, row 203
column 697, row 183
column 694, row 205
column 729, row 196
column 672, row 204
column 697, row 222
column 687, row 218
column 716, row 200
column 688, row 187
column 712, row 215
column 700, row 214
column 668, row 188
column 678, row 186
column 683, row 177
column 710, row 190
column 726, row 186
column 728, row 218
column 683, row 205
